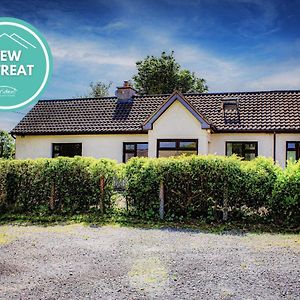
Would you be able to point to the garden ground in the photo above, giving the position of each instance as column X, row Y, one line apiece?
column 111, row 262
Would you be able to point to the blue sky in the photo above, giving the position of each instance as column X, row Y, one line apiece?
column 236, row 45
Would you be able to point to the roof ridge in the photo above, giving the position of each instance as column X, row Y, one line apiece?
column 245, row 92
column 167, row 95
column 75, row 99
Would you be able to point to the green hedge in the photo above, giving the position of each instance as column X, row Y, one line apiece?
column 194, row 187
column 62, row 185
column 285, row 202
column 201, row 186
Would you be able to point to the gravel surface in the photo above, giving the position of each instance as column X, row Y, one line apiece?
column 79, row 262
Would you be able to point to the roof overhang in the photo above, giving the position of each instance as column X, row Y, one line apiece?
column 176, row 96
column 80, row 132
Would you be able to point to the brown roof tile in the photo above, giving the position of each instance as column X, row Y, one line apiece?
column 258, row 111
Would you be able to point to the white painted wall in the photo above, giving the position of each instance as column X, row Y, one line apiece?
column 98, row 146
column 177, row 123
column 265, row 142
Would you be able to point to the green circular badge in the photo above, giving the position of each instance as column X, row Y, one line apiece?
column 25, row 63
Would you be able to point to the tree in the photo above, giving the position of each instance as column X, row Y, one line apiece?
column 163, row 75
column 98, row 89
column 7, row 145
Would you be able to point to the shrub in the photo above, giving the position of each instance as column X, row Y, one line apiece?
column 259, row 177
column 143, row 178
column 197, row 186
column 63, row 184
column 285, row 202
column 194, row 187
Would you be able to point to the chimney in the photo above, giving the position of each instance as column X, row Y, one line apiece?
column 125, row 92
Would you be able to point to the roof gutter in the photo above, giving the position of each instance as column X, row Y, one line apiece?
column 80, row 132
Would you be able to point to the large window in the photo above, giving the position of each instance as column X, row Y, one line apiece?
column 166, row 148
column 292, row 150
column 66, row 149
column 247, row 150
column 134, row 149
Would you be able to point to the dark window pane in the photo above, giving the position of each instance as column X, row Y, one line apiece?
column 129, row 147
column 167, row 153
column 188, row 144
column 142, row 150
column 56, row 147
column 229, row 149
column 169, row 148
column 237, row 149
column 242, row 149
column 67, row 149
column 291, row 155
column 291, row 145
column 135, row 149
column 142, row 146
column 293, row 150
column 250, row 146
column 249, row 156
column 167, row 144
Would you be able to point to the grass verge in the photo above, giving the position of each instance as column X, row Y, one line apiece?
column 123, row 219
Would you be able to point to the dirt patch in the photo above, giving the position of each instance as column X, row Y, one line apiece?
column 148, row 274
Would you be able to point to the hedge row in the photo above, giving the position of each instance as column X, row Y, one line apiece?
column 206, row 186
column 65, row 185
column 194, row 187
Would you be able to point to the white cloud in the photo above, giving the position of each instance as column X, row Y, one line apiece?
column 83, row 51
column 106, row 60
column 286, row 79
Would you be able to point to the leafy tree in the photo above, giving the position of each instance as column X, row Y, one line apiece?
column 163, row 75
column 7, row 145
column 98, row 89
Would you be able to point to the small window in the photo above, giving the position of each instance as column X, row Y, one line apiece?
column 66, row 149
column 292, row 151
column 167, row 148
column 246, row 150
column 167, row 144
column 134, row 149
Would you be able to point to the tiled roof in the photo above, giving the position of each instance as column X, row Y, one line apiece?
column 257, row 111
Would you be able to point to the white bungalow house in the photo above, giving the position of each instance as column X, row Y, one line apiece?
column 265, row 123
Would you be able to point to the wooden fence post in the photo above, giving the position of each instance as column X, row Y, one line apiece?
column 161, row 200
column 101, row 202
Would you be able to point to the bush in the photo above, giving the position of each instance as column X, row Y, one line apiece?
column 143, row 177
column 259, row 177
column 200, row 186
column 195, row 187
column 285, row 202
column 63, row 184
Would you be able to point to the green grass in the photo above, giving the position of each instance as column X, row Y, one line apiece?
column 123, row 219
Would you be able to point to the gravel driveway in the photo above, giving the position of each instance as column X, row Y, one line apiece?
column 78, row 262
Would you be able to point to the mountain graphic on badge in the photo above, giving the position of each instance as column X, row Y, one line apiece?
column 17, row 39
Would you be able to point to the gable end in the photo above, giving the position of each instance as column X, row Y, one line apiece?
column 148, row 125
